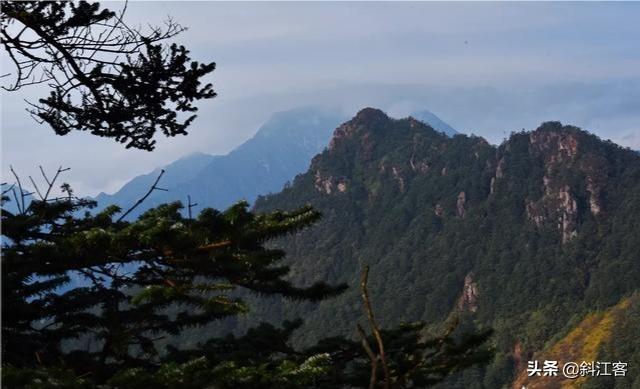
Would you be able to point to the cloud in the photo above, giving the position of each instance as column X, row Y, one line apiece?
column 631, row 139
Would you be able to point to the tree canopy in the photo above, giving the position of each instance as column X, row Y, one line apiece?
column 105, row 76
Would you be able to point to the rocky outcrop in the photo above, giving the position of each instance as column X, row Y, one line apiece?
column 556, row 145
column 594, row 196
column 438, row 210
column 568, row 209
column 362, row 120
column 323, row 184
column 533, row 213
column 460, row 203
column 499, row 173
column 500, row 168
column 558, row 149
column 398, row 177
column 328, row 184
column 421, row 166
column 468, row 301
column 517, row 355
column 559, row 205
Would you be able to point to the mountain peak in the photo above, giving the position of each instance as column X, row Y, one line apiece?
column 367, row 118
column 280, row 149
column 369, row 115
column 429, row 118
column 297, row 122
column 558, row 141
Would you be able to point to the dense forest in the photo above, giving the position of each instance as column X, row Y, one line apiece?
column 528, row 238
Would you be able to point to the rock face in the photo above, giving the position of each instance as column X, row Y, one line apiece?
column 329, row 185
column 419, row 166
column 468, row 301
column 594, row 196
column 560, row 205
column 568, row 209
column 323, row 184
column 462, row 199
column 557, row 145
column 398, row 177
column 563, row 204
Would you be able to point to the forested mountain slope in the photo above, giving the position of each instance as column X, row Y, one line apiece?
column 529, row 237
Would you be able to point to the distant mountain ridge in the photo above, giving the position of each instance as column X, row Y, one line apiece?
column 281, row 148
column 427, row 117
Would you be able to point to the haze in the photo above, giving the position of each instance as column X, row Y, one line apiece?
column 485, row 68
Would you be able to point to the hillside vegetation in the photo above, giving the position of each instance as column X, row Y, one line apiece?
column 528, row 238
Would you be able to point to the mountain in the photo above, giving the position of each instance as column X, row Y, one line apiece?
column 435, row 122
column 176, row 173
column 281, row 148
column 532, row 238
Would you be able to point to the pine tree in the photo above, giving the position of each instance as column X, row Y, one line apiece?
column 143, row 280
column 104, row 76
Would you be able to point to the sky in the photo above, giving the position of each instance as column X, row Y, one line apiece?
column 485, row 68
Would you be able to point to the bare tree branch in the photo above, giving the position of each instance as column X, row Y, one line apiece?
column 374, row 326
column 36, row 188
column 22, row 194
column 373, row 358
column 51, row 182
column 13, row 190
column 5, row 191
column 143, row 198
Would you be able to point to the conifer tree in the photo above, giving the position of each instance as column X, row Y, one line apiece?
column 104, row 76
column 135, row 282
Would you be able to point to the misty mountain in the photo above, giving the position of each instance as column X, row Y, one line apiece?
column 281, row 148
column 435, row 122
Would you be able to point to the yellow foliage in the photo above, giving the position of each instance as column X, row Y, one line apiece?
column 580, row 344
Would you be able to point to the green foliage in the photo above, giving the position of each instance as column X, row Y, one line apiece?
column 42, row 378
column 105, row 77
column 161, row 275
column 532, row 286
column 143, row 280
